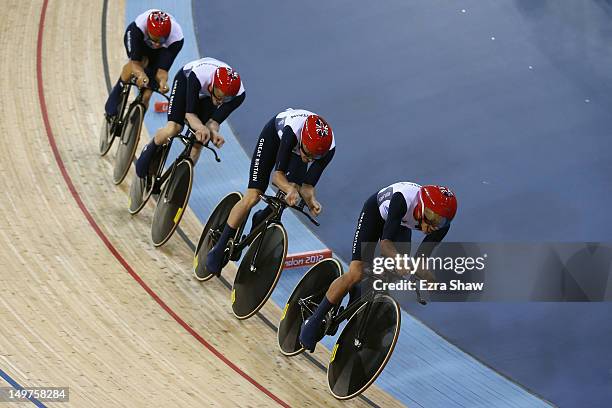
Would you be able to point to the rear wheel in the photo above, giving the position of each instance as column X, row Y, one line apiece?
column 211, row 233
column 130, row 135
column 141, row 188
column 106, row 138
column 304, row 299
column 259, row 271
column 172, row 203
column 364, row 348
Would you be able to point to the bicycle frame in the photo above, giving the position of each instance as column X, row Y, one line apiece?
column 189, row 140
column 340, row 316
column 278, row 205
column 125, row 94
column 124, row 106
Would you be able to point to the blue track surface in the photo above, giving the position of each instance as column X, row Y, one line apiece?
column 507, row 102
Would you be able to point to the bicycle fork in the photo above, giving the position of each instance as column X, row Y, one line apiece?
column 358, row 341
column 252, row 267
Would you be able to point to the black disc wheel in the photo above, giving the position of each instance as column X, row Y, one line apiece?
column 142, row 188
column 259, row 271
column 211, row 233
column 140, row 191
column 302, row 302
column 128, row 142
column 364, row 347
column 172, row 203
column 106, row 138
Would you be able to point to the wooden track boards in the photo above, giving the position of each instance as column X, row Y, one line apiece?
column 70, row 314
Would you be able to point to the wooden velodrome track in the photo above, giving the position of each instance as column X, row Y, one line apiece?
column 86, row 301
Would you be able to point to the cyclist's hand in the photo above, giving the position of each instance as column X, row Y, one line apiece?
column 425, row 274
column 217, row 139
column 292, row 196
column 202, row 134
column 315, row 207
column 163, row 87
column 142, row 80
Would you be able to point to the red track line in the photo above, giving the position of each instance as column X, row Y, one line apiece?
column 96, row 228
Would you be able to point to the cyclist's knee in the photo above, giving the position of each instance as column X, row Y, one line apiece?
column 171, row 129
column 355, row 273
column 146, row 96
column 165, row 133
column 126, row 72
column 251, row 197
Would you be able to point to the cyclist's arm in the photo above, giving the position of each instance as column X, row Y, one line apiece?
column 307, row 192
column 287, row 143
column 161, row 76
column 223, row 111
column 193, row 92
column 213, row 125
column 135, row 47
column 392, row 227
column 431, row 241
column 168, row 55
column 316, row 168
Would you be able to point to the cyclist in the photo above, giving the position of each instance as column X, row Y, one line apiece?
column 290, row 141
column 204, row 93
column 152, row 42
column 388, row 216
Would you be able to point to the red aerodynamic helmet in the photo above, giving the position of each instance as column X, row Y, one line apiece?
column 159, row 24
column 438, row 205
column 316, row 135
column 227, row 80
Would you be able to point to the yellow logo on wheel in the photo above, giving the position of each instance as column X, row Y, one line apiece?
column 130, row 202
column 233, row 296
column 284, row 311
column 333, row 354
column 195, row 262
column 177, row 217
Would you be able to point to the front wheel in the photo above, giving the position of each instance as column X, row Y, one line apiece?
column 259, row 271
column 211, row 233
column 172, row 203
column 303, row 301
column 364, row 347
column 130, row 135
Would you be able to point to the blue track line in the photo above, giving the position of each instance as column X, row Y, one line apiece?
column 16, row 385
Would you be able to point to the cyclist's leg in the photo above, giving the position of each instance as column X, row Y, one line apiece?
column 112, row 102
column 176, row 120
column 295, row 175
column 238, row 214
column 262, row 164
column 367, row 234
column 111, row 106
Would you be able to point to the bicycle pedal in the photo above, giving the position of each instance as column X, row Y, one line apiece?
column 235, row 256
column 116, row 130
column 329, row 327
column 156, row 189
column 109, row 118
